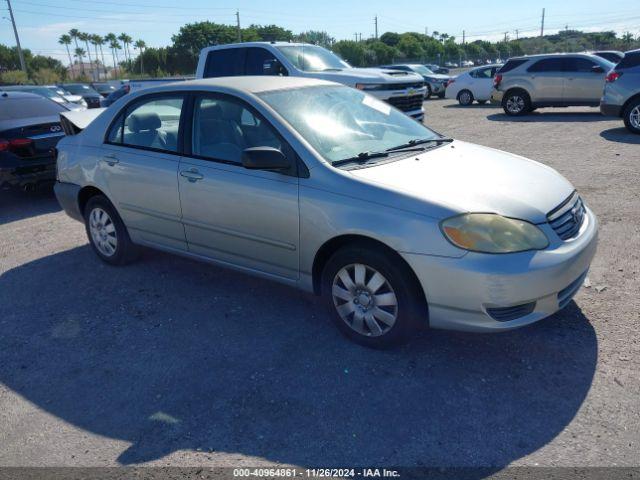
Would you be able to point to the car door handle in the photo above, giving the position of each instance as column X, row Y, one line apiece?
column 110, row 159
column 192, row 175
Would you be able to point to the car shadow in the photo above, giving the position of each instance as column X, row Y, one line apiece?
column 620, row 135
column 169, row 354
column 18, row 204
column 551, row 116
column 474, row 106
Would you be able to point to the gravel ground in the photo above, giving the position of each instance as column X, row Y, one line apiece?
column 172, row 362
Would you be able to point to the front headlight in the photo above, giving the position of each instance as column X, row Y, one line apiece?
column 370, row 86
column 83, row 102
column 492, row 233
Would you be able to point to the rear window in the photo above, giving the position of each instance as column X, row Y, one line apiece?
column 548, row 65
column 511, row 64
column 226, row 62
column 630, row 60
column 19, row 108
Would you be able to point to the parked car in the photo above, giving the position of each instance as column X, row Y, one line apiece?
column 43, row 92
column 403, row 90
column 328, row 189
column 556, row 80
column 86, row 92
column 613, row 56
column 29, row 131
column 621, row 96
column 437, row 69
column 467, row 63
column 436, row 84
column 473, row 85
column 104, row 88
column 68, row 96
column 451, row 65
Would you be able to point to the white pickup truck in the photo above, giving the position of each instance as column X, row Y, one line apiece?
column 403, row 90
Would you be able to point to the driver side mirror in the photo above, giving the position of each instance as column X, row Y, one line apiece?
column 264, row 158
column 597, row 69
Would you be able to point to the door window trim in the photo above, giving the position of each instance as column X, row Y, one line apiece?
column 124, row 111
column 300, row 170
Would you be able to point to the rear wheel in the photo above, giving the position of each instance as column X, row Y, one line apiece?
column 516, row 102
column 375, row 300
column 107, row 234
column 465, row 98
column 631, row 116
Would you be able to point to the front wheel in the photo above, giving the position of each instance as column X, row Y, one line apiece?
column 375, row 300
column 516, row 102
column 465, row 98
column 107, row 234
column 631, row 117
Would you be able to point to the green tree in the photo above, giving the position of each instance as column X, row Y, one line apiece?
column 352, row 52
column 390, row 38
column 66, row 41
column 14, row 77
column 316, row 37
column 410, row 46
column 46, row 76
column 140, row 45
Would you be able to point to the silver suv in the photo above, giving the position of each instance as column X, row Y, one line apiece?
column 621, row 96
column 557, row 80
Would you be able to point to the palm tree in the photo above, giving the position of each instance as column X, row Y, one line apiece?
column 79, row 53
column 66, row 41
column 140, row 45
column 84, row 37
column 126, row 40
column 73, row 33
column 114, row 46
column 92, row 40
column 99, row 41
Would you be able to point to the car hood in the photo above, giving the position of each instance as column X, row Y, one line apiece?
column 462, row 177
column 368, row 75
column 438, row 76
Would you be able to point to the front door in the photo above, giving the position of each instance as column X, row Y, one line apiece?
column 139, row 165
column 245, row 218
column 585, row 80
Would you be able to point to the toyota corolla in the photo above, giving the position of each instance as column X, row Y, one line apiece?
column 323, row 187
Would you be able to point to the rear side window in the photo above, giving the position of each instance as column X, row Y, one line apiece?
column 17, row 108
column 151, row 123
column 630, row 60
column 511, row 64
column 548, row 65
column 226, row 62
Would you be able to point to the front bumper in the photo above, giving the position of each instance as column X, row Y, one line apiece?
column 459, row 291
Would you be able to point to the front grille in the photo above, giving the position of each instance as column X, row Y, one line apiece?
column 404, row 86
column 504, row 314
column 567, row 218
column 566, row 294
column 407, row 103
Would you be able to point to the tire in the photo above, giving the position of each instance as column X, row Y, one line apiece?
column 106, row 232
column 429, row 92
column 631, row 116
column 465, row 98
column 516, row 102
column 481, row 102
column 380, row 323
column 441, row 95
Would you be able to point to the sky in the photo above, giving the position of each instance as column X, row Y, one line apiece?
column 41, row 22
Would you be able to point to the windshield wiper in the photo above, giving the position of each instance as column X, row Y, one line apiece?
column 362, row 157
column 419, row 141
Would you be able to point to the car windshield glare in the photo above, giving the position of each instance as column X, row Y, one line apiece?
column 310, row 58
column 341, row 122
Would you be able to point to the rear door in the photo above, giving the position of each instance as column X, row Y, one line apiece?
column 547, row 78
column 585, row 80
column 139, row 164
column 483, row 83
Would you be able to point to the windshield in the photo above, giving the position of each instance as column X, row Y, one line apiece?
column 310, row 58
column 80, row 89
column 422, row 70
column 342, row 122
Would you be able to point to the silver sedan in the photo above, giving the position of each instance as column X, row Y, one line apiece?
column 323, row 187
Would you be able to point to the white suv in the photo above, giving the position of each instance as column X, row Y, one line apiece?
column 403, row 90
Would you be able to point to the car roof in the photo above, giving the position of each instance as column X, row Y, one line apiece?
column 251, row 84
column 552, row 55
column 15, row 94
column 258, row 44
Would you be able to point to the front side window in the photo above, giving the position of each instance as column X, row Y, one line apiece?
column 223, row 127
column 152, row 123
column 342, row 122
column 261, row 61
column 576, row 64
column 311, row 58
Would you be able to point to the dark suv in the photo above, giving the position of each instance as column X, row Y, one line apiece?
column 621, row 96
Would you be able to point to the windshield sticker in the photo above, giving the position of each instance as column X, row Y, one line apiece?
column 376, row 104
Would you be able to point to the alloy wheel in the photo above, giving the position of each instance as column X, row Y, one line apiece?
column 465, row 98
column 515, row 104
column 103, row 232
column 365, row 300
column 634, row 117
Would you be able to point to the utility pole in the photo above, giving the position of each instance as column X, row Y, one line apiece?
column 23, row 66
column 566, row 38
column 375, row 22
column 542, row 25
column 426, row 31
column 238, row 25
column 463, row 37
column 505, row 36
column 517, row 31
column 356, row 35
